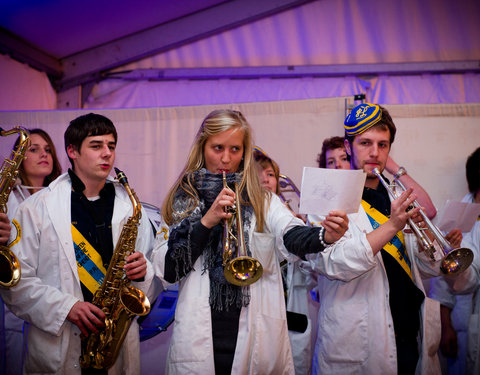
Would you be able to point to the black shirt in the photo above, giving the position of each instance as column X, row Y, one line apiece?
column 93, row 219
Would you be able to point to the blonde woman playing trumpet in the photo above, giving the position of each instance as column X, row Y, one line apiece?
column 220, row 327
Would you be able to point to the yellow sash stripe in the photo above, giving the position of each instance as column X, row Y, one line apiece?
column 89, row 262
column 17, row 239
column 390, row 248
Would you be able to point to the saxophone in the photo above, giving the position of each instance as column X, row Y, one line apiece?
column 9, row 265
column 120, row 301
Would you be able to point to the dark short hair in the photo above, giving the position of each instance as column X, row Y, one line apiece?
column 473, row 171
column 86, row 126
column 385, row 123
column 330, row 144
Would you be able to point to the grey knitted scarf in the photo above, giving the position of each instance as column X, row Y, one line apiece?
column 208, row 186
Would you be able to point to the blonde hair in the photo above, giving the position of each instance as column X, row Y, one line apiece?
column 217, row 122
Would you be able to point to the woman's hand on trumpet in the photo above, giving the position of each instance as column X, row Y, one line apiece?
column 218, row 211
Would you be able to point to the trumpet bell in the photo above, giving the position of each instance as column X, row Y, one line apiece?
column 456, row 261
column 9, row 268
column 243, row 271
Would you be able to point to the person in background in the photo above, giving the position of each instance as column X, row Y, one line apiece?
column 460, row 305
column 39, row 168
column 333, row 155
column 220, row 327
column 268, row 170
column 297, row 281
column 68, row 234
column 374, row 317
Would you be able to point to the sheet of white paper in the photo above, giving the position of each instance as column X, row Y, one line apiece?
column 461, row 215
column 324, row 190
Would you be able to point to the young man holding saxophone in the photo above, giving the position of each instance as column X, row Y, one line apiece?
column 68, row 236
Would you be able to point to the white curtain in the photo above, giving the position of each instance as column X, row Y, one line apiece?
column 24, row 88
column 326, row 32
column 433, row 141
column 330, row 32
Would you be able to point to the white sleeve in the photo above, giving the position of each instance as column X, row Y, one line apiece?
column 346, row 259
column 37, row 298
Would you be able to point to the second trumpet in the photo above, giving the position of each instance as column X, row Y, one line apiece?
column 454, row 261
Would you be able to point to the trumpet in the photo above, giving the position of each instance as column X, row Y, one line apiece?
column 242, row 270
column 454, row 261
column 286, row 188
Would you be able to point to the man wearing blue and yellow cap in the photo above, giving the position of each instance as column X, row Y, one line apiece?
column 374, row 316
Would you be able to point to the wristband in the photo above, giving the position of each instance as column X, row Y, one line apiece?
column 321, row 236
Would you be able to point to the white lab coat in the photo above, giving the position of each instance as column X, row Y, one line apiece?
column 462, row 294
column 17, row 196
column 355, row 327
column 263, row 345
column 50, row 285
column 300, row 281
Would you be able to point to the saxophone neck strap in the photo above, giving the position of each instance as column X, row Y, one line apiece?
column 396, row 246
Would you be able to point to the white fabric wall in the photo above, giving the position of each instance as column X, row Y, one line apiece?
column 433, row 141
column 24, row 88
column 415, row 89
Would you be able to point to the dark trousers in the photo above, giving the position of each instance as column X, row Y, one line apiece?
column 224, row 333
column 407, row 355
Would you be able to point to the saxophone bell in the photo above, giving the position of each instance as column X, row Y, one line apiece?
column 9, row 268
column 135, row 301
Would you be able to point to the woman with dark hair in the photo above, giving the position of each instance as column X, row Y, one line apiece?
column 37, row 170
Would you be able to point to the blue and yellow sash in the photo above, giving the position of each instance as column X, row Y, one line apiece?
column 89, row 262
column 396, row 246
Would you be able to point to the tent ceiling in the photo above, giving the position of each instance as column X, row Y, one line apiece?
column 75, row 41
column 81, row 43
